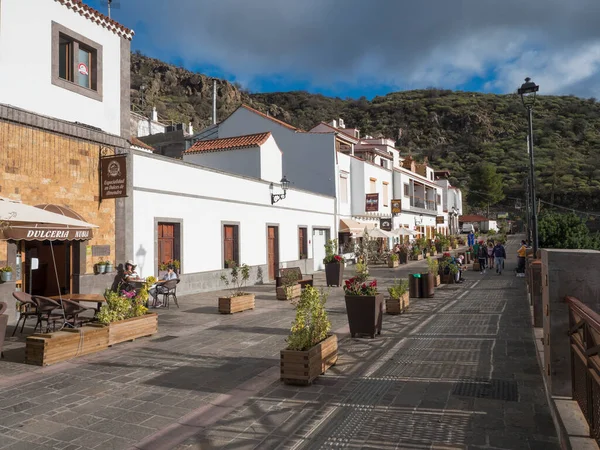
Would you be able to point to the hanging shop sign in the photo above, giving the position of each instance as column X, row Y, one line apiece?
column 113, row 176
column 396, row 206
column 385, row 224
column 439, row 220
column 372, row 202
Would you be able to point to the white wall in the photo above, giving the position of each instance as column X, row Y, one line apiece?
column 193, row 200
column 25, row 62
column 361, row 185
column 308, row 158
column 271, row 161
column 344, row 166
column 242, row 161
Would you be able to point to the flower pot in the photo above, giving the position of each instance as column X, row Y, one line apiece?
column 101, row 268
column 403, row 258
column 414, row 285
column 230, row 305
column 427, row 285
column 334, row 274
column 392, row 263
column 397, row 305
column 303, row 366
column 288, row 293
column 109, row 268
column 133, row 328
column 6, row 276
column 364, row 314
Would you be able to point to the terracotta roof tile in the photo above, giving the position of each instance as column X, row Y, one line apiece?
column 137, row 143
column 97, row 17
column 472, row 218
column 215, row 145
column 273, row 119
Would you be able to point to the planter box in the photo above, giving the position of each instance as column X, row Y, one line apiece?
column 476, row 267
column 230, row 305
column 437, row 281
column 303, row 366
column 364, row 314
column 392, row 264
column 427, row 285
column 334, row 274
column 397, row 305
column 50, row 348
column 131, row 329
column 447, row 278
column 289, row 293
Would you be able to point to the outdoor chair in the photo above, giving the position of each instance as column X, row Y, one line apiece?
column 170, row 290
column 47, row 310
column 73, row 310
column 3, row 325
column 27, row 309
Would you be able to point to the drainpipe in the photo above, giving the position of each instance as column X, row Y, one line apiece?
column 214, row 102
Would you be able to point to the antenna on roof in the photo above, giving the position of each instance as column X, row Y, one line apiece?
column 116, row 4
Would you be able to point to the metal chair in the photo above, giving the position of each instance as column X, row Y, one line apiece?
column 170, row 290
column 28, row 308
column 73, row 310
column 46, row 310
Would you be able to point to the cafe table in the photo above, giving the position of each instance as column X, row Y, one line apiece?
column 91, row 298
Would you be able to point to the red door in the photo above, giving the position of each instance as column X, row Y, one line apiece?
column 302, row 244
column 273, row 251
column 230, row 244
column 166, row 242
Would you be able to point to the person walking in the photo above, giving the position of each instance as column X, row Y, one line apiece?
column 482, row 256
column 499, row 256
column 521, row 255
column 490, row 252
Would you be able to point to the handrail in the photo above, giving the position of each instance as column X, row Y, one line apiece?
column 586, row 313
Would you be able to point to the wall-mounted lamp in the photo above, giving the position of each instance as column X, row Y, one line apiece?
column 419, row 221
column 285, row 184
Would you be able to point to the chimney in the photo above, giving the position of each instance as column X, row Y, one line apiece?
column 190, row 128
column 341, row 123
column 333, row 123
column 154, row 114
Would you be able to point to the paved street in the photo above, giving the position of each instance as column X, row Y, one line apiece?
column 457, row 371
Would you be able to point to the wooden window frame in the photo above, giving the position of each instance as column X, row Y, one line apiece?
column 236, row 243
column 407, row 190
column 303, row 245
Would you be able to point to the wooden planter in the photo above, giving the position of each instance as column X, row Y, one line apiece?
column 437, row 281
column 131, row 329
column 50, row 348
column 476, row 267
column 427, row 281
column 397, row 305
column 364, row 314
column 447, row 278
column 303, row 366
column 230, row 305
column 393, row 263
column 334, row 274
column 288, row 293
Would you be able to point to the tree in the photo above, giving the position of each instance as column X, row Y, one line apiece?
column 486, row 186
column 565, row 231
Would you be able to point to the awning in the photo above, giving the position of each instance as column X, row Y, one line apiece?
column 354, row 227
column 43, row 222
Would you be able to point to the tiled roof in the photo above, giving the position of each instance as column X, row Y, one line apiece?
column 96, row 16
column 215, row 145
column 137, row 143
column 273, row 119
column 340, row 132
column 473, row 218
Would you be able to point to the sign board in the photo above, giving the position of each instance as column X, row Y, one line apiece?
column 100, row 250
column 385, row 224
column 396, row 206
column 503, row 215
column 113, row 176
column 372, row 202
column 439, row 220
column 83, row 70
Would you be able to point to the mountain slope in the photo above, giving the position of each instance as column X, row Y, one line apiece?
column 455, row 130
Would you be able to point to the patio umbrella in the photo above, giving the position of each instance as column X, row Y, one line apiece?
column 379, row 233
column 402, row 232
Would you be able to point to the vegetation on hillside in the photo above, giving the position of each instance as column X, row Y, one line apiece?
column 559, row 230
column 455, row 130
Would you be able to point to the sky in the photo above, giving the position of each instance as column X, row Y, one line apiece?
column 354, row 48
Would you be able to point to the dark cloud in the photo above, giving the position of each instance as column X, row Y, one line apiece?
column 394, row 42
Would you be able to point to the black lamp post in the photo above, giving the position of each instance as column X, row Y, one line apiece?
column 528, row 91
column 285, row 184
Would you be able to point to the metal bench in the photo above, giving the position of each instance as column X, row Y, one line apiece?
column 303, row 280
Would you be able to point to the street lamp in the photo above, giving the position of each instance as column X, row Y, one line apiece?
column 285, row 184
column 528, row 92
column 419, row 221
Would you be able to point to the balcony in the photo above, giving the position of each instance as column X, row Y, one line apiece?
column 423, row 206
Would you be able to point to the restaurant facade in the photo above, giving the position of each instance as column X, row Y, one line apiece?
column 61, row 115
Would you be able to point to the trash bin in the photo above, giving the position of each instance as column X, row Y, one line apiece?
column 414, row 285
column 427, row 285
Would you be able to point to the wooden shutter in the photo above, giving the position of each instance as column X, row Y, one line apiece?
column 230, row 244
column 166, row 242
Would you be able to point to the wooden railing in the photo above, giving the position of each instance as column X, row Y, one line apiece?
column 584, row 332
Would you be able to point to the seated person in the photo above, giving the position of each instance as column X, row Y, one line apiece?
column 129, row 273
column 159, row 289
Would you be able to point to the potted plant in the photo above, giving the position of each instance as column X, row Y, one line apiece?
column 109, row 267
column 238, row 300
column 100, row 266
column 398, row 301
column 403, row 254
column 427, row 279
column 334, row 264
column 417, row 254
column 311, row 349
column 177, row 264
column 393, row 260
column 434, row 268
column 6, row 273
column 448, row 269
column 290, row 288
column 364, row 305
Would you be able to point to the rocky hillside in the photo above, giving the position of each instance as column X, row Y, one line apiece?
column 455, row 130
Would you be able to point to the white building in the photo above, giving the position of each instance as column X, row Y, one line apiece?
column 451, row 200
column 79, row 74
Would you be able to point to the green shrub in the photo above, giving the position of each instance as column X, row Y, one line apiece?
column 311, row 324
column 398, row 289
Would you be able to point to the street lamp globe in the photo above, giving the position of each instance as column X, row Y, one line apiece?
column 528, row 91
column 285, row 184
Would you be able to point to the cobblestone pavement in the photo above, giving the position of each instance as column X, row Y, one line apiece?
column 457, row 371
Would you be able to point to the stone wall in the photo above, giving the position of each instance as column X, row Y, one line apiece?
column 40, row 166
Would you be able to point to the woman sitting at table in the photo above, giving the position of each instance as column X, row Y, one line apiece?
column 159, row 289
column 129, row 274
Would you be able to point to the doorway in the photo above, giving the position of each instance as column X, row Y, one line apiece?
column 320, row 237
column 273, row 251
column 43, row 280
